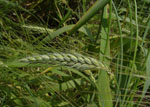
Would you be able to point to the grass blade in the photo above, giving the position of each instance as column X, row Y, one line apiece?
column 105, row 96
column 98, row 5
column 147, row 79
column 65, row 29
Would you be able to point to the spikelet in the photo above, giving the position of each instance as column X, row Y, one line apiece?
column 76, row 61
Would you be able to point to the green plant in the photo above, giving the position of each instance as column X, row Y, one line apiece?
column 75, row 60
column 74, row 53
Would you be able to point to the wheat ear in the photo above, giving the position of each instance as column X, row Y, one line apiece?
column 76, row 61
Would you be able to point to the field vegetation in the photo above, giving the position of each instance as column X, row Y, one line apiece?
column 74, row 53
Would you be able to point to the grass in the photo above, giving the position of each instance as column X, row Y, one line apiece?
column 112, row 33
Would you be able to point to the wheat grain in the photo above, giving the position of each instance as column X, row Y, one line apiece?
column 76, row 61
column 38, row 29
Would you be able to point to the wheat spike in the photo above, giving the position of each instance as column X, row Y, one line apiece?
column 76, row 61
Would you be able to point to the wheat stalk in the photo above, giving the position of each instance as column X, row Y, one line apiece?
column 76, row 61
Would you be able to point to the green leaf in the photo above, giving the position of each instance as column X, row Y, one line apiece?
column 97, row 6
column 105, row 96
column 147, row 79
column 65, row 29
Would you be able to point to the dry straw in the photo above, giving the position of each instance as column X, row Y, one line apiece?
column 76, row 61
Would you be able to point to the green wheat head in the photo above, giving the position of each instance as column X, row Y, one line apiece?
column 76, row 61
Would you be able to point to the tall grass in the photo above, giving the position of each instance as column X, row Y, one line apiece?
column 114, row 34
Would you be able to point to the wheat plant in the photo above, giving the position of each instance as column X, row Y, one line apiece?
column 76, row 60
column 47, row 54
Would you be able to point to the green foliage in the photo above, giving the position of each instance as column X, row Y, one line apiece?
column 115, row 33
